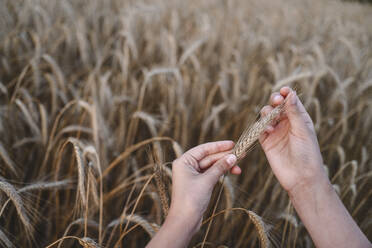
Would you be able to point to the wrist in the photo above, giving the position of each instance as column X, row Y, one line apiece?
column 186, row 220
column 308, row 189
column 177, row 229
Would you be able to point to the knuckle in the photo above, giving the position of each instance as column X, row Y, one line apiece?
column 189, row 159
column 203, row 149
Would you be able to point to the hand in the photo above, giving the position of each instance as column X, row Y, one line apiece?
column 194, row 175
column 293, row 152
column 291, row 145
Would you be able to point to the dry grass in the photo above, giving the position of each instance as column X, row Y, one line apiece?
column 87, row 88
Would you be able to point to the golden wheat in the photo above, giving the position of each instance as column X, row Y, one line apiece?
column 252, row 133
column 87, row 87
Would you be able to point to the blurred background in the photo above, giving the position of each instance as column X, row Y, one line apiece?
column 97, row 98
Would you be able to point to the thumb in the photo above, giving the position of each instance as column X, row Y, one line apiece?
column 296, row 113
column 220, row 167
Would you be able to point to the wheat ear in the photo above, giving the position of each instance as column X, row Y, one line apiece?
column 12, row 193
column 158, row 172
column 260, row 226
column 88, row 243
column 253, row 132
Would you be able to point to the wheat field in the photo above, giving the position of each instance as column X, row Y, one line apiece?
column 97, row 98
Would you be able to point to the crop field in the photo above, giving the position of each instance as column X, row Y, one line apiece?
column 97, row 98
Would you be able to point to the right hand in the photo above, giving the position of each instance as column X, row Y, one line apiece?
column 291, row 145
column 195, row 174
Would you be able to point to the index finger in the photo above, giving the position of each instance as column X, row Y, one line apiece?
column 203, row 150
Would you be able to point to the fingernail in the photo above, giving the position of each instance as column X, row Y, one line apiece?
column 276, row 98
column 231, row 159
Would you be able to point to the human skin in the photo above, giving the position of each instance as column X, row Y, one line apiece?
column 292, row 150
column 194, row 175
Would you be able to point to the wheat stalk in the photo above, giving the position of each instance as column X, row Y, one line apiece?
column 4, row 240
column 46, row 185
column 150, row 228
column 8, row 161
